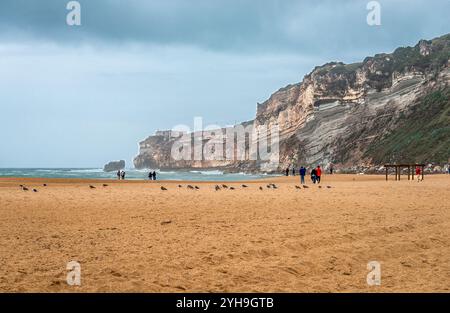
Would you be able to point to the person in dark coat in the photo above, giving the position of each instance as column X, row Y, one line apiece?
column 313, row 175
column 302, row 174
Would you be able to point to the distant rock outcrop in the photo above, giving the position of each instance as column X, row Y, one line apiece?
column 114, row 166
column 388, row 108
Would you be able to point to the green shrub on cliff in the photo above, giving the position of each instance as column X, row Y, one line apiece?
column 421, row 135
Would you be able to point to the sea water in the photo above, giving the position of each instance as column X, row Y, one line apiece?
column 98, row 173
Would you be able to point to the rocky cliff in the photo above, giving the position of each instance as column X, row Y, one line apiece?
column 390, row 107
column 114, row 166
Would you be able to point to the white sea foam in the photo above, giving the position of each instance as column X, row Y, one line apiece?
column 212, row 172
column 87, row 170
column 202, row 175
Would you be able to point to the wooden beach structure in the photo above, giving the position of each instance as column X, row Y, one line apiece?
column 398, row 170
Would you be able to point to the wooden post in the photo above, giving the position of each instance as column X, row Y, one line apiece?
column 386, row 173
column 413, row 171
column 399, row 171
column 409, row 172
column 396, row 172
column 423, row 167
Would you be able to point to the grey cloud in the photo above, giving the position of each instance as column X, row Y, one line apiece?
column 223, row 25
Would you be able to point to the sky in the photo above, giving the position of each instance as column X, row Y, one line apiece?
column 80, row 96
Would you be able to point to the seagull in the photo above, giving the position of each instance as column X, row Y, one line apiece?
column 260, row 188
column 269, row 186
column 319, row 186
column 245, row 186
column 163, row 188
column 24, row 188
column 190, row 187
column 217, row 188
column 45, row 185
column 197, row 187
column 328, row 186
column 231, row 188
column 20, row 186
column 179, row 186
column 298, row 187
column 92, row 187
column 225, row 186
column 304, row 186
column 35, row 190
column 105, row 185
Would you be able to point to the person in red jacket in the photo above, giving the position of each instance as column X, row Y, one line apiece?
column 318, row 173
column 418, row 172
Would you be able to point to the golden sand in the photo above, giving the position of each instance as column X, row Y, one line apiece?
column 133, row 236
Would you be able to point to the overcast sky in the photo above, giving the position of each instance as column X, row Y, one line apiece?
column 80, row 96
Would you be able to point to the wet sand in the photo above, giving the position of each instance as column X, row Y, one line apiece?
column 134, row 237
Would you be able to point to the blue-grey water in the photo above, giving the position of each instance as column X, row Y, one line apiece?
column 97, row 173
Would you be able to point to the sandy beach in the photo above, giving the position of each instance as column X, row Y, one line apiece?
column 134, row 237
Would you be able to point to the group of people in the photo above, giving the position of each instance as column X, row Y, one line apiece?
column 287, row 171
column 120, row 174
column 152, row 175
column 316, row 173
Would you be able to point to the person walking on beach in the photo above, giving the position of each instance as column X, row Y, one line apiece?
column 122, row 174
column 118, row 174
column 293, row 171
column 154, row 175
column 418, row 172
column 331, row 169
column 302, row 175
column 318, row 174
column 150, row 175
column 287, row 171
column 313, row 175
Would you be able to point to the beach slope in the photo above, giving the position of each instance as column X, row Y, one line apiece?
column 133, row 236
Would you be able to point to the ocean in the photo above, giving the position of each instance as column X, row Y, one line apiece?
column 132, row 174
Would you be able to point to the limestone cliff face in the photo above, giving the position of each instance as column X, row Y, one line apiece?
column 337, row 112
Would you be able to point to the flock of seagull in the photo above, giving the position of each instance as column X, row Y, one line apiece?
column 25, row 188
column 216, row 187
column 225, row 187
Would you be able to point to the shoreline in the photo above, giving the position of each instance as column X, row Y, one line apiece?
column 64, row 180
column 280, row 177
